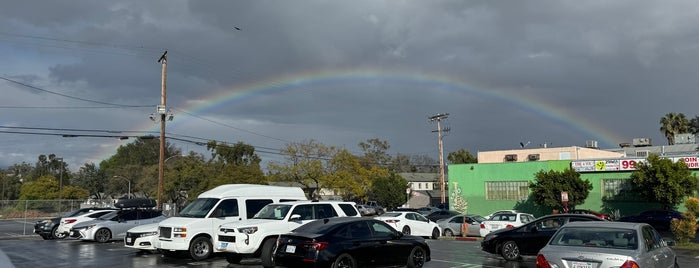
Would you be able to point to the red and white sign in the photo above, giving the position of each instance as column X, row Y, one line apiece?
column 564, row 196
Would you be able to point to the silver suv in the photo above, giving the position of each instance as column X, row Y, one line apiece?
column 256, row 237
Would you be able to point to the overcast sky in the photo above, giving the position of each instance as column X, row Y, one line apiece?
column 341, row 72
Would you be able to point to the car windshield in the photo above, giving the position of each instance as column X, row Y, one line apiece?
column 273, row 212
column 199, row 208
column 599, row 237
column 479, row 218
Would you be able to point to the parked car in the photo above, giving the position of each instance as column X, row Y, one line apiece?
column 442, row 214
column 411, row 223
column 143, row 237
column 606, row 244
column 453, row 225
column 375, row 205
column 590, row 212
column 69, row 222
column 504, row 220
column 257, row 237
column 528, row 239
column 405, row 209
column 366, row 211
column 427, row 210
column 500, row 211
column 113, row 225
column 350, row 242
column 48, row 229
column 658, row 218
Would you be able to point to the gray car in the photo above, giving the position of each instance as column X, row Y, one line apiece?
column 113, row 226
column 452, row 226
column 606, row 245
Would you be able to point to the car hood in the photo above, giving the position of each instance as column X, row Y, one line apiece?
column 152, row 227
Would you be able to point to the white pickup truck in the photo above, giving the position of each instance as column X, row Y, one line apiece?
column 256, row 237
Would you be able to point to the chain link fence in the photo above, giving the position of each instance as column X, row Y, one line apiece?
column 44, row 209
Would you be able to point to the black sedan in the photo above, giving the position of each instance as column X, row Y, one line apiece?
column 349, row 242
column 660, row 219
column 528, row 239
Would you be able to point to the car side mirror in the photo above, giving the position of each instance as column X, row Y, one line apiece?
column 295, row 217
column 217, row 213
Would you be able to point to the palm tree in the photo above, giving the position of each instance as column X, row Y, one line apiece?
column 672, row 124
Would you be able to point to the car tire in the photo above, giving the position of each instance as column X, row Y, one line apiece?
column 103, row 235
column 406, row 230
column 233, row 258
column 345, row 261
column 57, row 235
column 448, row 233
column 200, row 248
column 435, row 233
column 417, row 257
column 267, row 254
column 510, row 251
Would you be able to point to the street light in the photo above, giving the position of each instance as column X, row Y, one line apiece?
column 127, row 180
column 60, row 183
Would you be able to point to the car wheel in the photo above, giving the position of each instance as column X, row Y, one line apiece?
column 448, row 232
column 406, row 230
column 267, row 254
column 57, row 235
column 344, row 261
column 233, row 258
column 435, row 233
column 417, row 257
column 103, row 235
column 510, row 251
column 200, row 248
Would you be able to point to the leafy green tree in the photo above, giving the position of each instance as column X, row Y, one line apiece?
column 375, row 153
column 236, row 164
column 672, row 124
column 305, row 164
column 694, row 125
column 389, row 190
column 348, row 176
column 46, row 188
column 92, row 179
column 546, row 190
column 662, row 181
column 461, row 157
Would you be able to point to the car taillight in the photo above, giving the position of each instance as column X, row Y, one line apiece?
column 392, row 221
column 509, row 226
column 69, row 221
column 541, row 262
column 629, row 264
column 482, row 226
column 316, row 246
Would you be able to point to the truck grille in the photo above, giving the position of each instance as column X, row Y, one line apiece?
column 165, row 232
column 225, row 238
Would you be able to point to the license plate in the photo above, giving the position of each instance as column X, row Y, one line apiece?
column 290, row 249
column 224, row 244
column 494, row 226
column 577, row 264
column 128, row 240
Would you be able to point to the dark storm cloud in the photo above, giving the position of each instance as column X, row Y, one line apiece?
column 552, row 67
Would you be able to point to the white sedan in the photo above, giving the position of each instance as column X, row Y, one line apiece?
column 69, row 222
column 505, row 220
column 411, row 223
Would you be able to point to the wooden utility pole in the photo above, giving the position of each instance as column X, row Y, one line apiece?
column 162, row 110
column 438, row 118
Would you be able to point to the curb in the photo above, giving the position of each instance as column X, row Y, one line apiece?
column 461, row 238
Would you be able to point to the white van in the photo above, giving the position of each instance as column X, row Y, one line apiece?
column 192, row 230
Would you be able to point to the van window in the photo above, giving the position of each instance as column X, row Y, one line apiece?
column 289, row 200
column 252, row 206
column 348, row 209
column 228, row 208
column 199, row 208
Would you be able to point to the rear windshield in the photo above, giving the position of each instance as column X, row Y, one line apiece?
column 598, row 237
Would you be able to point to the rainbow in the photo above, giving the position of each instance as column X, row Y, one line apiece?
column 303, row 80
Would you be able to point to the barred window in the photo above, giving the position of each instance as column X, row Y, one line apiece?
column 618, row 189
column 506, row 190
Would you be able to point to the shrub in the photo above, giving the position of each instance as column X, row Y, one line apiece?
column 685, row 229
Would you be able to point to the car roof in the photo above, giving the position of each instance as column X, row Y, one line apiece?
column 604, row 224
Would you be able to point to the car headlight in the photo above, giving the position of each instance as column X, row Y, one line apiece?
column 179, row 230
column 90, row 226
column 148, row 234
column 489, row 237
column 248, row 230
